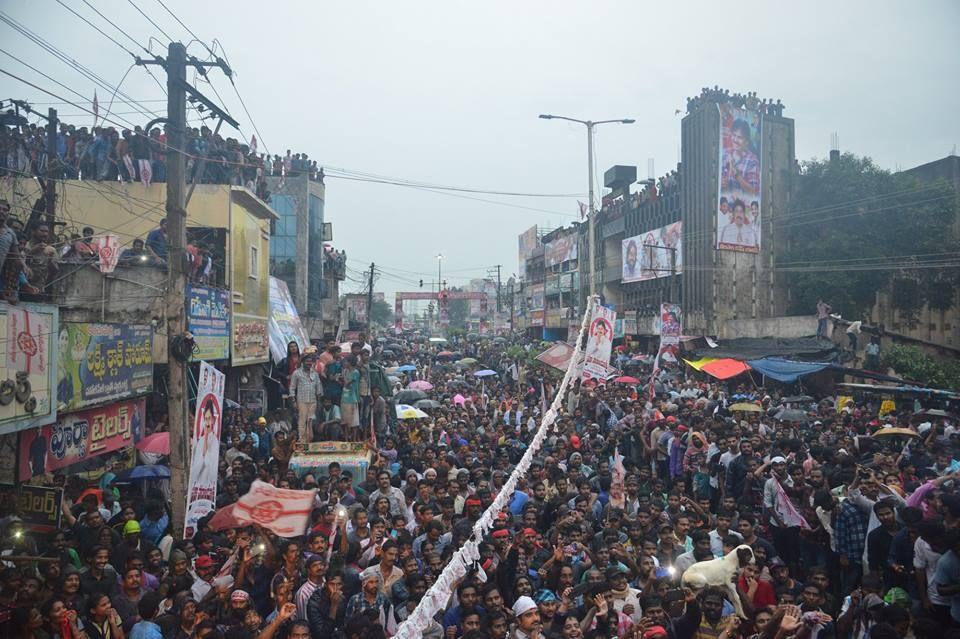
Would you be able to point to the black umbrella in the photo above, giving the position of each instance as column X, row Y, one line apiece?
column 797, row 398
column 792, row 415
column 428, row 404
column 409, row 396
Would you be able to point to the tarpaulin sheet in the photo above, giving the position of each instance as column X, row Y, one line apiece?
column 698, row 364
column 725, row 368
column 784, row 370
column 747, row 348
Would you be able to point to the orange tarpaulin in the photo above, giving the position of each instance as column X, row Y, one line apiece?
column 725, row 368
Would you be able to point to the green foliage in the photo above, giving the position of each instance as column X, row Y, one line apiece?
column 381, row 313
column 849, row 221
column 458, row 311
column 913, row 364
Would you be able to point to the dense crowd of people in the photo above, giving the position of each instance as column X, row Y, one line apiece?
column 674, row 516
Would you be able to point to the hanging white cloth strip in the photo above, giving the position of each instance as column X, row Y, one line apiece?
column 439, row 593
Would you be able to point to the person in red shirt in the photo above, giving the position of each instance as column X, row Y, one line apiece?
column 759, row 593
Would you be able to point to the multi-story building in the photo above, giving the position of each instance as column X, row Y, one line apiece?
column 300, row 253
column 703, row 236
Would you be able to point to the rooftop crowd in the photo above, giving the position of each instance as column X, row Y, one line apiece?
column 848, row 532
column 748, row 101
column 105, row 153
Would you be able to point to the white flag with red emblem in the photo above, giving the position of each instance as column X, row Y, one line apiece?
column 253, row 144
column 283, row 511
column 27, row 335
column 108, row 248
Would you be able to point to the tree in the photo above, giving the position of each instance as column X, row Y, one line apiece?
column 855, row 229
column 381, row 313
column 913, row 364
column 458, row 311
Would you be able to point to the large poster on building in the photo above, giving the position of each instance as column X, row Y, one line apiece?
column 738, row 197
column 560, row 250
column 103, row 363
column 528, row 242
column 596, row 364
column 536, row 297
column 28, row 363
column 653, row 254
column 285, row 325
column 77, row 437
column 208, row 320
column 671, row 324
column 205, row 448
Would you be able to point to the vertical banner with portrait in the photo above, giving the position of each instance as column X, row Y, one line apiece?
column 671, row 327
column 529, row 240
column 205, row 448
column 596, row 364
column 738, row 197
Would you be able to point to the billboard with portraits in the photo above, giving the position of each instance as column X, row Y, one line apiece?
column 529, row 240
column 738, row 197
column 652, row 254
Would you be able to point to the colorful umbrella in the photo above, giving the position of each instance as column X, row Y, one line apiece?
column 485, row 373
column 438, row 340
column 420, row 385
column 892, row 432
column 445, row 355
column 459, row 399
column 144, row 472
column 746, row 407
column 626, row 379
column 158, row 443
column 406, row 368
column 405, row 411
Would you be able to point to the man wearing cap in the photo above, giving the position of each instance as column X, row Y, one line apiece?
column 786, row 537
column 206, row 570
column 527, row 614
column 132, row 542
column 371, row 597
column 315, row 566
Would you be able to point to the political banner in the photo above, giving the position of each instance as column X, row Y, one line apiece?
column 560, row 250
column 208, row 320
column 285, row 325
column 596, row 364
column 205, row 448
column 77, row 437
column 671, row 326
column 27, row 335
column 653, row 254
column 103, row 363
column 283, row 511
column 738, row 196
column 528, row 243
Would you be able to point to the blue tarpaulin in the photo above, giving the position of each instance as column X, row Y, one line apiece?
column 785, row 370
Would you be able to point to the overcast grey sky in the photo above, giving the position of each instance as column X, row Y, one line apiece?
column 448, row 92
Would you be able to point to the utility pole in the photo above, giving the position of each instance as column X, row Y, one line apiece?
column 53, row 165
column 498, row 289
column 178, row 400
column 511, row 306
column 370, row 298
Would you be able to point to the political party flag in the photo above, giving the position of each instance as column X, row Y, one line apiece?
column 285, row 512
column 27, row 335
column 583, row 209
column 253, row 144
column 96, row 109
column 108, row 249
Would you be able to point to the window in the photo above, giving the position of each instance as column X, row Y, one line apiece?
column 254, row 265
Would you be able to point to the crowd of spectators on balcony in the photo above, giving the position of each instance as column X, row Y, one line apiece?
column 748, row 100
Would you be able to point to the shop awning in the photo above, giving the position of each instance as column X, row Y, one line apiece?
column 725, row 368
column 784, row 370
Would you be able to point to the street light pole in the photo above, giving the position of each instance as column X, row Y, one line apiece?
column 591, row 206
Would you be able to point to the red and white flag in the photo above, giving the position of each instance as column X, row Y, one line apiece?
column 96, row 109
column 583, row 209
column 27, row 335
column 108, row 249
column 283, row 511
column 253, row 144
